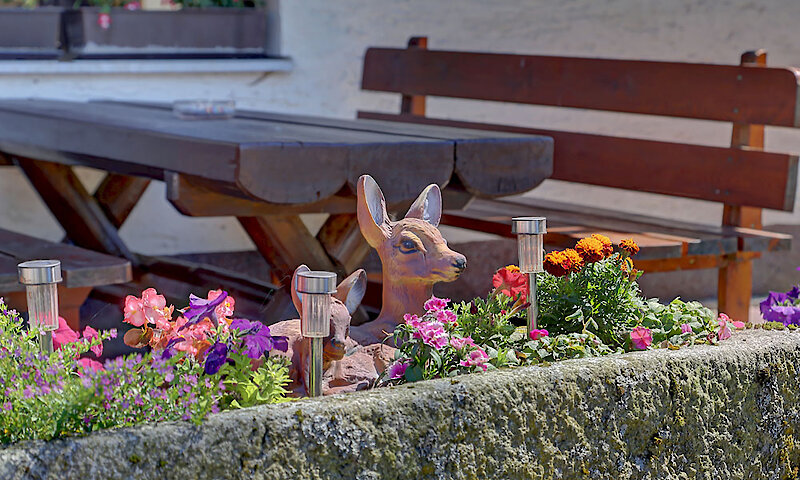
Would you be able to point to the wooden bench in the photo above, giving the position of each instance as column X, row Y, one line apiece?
column 81, row 269
column 743, row 177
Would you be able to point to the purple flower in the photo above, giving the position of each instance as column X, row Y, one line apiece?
column 217, row 356
column 779, row 307
column 686, row 328
column 169, row 350
column 398, row 369
column 200, row 308
column 257, row 338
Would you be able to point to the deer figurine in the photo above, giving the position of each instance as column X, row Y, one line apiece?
column 347, row 365
column 413, row 253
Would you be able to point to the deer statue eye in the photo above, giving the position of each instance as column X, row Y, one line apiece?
column 407, row 246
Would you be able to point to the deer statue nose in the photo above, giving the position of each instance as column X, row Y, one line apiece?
column 460, row 262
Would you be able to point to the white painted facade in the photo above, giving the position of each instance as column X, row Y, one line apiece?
column 326, row 42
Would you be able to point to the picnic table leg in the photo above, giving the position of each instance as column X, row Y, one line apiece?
column 118, row 194
column 285, row 243
column 75, row 209
column 341, row 238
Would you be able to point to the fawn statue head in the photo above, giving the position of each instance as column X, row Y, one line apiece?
column 413, row 252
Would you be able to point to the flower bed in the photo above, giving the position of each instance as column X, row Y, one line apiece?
column 725, row 411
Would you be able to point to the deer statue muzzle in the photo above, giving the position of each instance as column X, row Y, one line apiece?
column 413, row 253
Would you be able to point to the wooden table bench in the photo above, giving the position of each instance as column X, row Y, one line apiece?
column 742, row 177
column 263, row 168
column 81, row 270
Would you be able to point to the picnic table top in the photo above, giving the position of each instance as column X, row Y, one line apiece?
column 274, row 158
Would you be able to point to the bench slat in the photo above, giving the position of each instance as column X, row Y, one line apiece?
column 80, row 267
column 658, row 238
column 703, row 91
column 728, row 175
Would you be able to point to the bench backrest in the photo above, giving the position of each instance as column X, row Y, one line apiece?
column 749, row 96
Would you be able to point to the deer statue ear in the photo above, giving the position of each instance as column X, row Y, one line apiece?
column 352, row 289
column 372, row 216
column 428, row 206
column 297, row 297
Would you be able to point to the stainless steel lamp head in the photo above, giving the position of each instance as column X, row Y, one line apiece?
column 530, row 242
column 315, row 289
column 316, row 282
column 38, row 272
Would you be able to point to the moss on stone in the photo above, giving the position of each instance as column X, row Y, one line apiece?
column 730, row 411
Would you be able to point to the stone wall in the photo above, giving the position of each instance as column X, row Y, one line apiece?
column 711, row 412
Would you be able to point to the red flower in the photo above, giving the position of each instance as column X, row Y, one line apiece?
column 511, row 282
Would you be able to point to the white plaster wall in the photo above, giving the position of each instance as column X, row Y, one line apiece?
column 327, row 40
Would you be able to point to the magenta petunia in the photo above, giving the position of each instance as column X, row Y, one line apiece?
column 397, row 369
column 536, row 334
column 641, row 338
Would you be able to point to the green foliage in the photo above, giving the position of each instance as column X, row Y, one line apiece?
column 601, row 297
column 490, row 321
column 665, row 321
column 246, row 388
column 563, row 347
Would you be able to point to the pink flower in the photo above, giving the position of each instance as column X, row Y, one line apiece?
column 398, row 369
column 446, row 316
column 727, row 319
column 90, row 333
column 536, row 334
column 63, row 334
column 224, row 309
column 476, row 358
column 88, row 363
column 724, row 331
column 686, row 328
column 641, row 338
column 104, row 20
column 458, row 342
column 432, row 334
column 134, row 311
column 412, row 320
column 436, row 304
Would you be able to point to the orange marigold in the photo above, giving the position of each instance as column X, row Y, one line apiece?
column 608, row 247
column 590, row 249
column 512, row 268
column 556, row 263
column 626, row 265
column 574, row 260
column 629, row 246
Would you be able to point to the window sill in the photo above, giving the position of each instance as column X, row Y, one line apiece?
column 144, row 66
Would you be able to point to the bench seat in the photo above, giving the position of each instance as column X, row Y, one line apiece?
column 81, row 270
column 744, row 177
column 665, row 244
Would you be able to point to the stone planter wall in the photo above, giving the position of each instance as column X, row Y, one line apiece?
column 730, row 411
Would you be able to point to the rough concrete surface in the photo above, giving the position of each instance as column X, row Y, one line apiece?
column 708, row 412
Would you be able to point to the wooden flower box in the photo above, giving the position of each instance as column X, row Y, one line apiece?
column 190, row 32
column 30, row 33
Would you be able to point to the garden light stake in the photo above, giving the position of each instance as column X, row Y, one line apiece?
column 530, row 244
column 315, row 289
column 40, row 278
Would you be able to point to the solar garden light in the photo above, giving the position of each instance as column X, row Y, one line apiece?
column 530, row 246
column 40, row 278
column 316, row 289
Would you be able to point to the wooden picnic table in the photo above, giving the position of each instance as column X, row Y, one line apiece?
column 263, row 168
